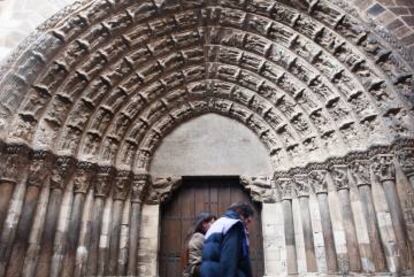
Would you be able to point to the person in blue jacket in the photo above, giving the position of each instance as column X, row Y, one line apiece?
column 226, row 245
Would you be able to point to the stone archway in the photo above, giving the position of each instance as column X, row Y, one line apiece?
column 87, row 100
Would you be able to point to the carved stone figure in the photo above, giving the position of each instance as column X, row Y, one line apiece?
column 161, row 189
column 122, row 185
column 39, row 168
column 83, row 177
column 260, row 188
column 406, row 160
column 285, row 186
column 103, row 181
column 383, row 167
column 302, row 187
column 361, row 172
column 317, row 179
column 16, row 161
column 340, row 176
column 140, row 183
column 60, row 172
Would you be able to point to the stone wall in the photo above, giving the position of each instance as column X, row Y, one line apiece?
column 211, row 145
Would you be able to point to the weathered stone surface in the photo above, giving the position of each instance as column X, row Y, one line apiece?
column 314, row 91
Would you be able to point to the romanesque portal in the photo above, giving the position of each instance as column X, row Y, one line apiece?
column 87, row 99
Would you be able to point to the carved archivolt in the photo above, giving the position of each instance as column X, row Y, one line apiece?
column 106, row 82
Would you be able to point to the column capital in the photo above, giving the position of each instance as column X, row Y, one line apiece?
column 16, row 156
column 361, row 172
column 339, row 173
column 285, row 186
column 406, row 160
column 122, row 185
column 161, row 189
column 260, row 188
column 103, row 180
column 318, row 180
column 302, row 186
column 383, row 167
column 85, row 171
column 62, row 168
column 140, row 183
column 40, row 166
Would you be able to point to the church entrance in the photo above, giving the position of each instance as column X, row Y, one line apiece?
column 197, row 194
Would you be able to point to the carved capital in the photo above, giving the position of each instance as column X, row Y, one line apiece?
column 406, row 160
column 318, row 180
column 39, row 168
column 285, row 186
column 60, row 172
column 122, row 185
column 17, row 156
column 302, row 186
column 260, row 188
column 83, row 177
column 140, row 184
column 162, row 188
column 361, row 172
column 103, row 181
column 383, row 167
column 340, row 176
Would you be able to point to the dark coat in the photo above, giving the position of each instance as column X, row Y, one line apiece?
column 226, row 249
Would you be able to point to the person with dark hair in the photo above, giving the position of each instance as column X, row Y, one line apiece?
column 226, row 245
column 191, row 257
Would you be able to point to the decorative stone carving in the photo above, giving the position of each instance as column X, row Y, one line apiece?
column 302, row 187
column 16, row 161
column 60, row 172
column 122, row 185
column 83, row 177
column 406, row 160
column 103, row 181
column 39, row 168
column 285, row 186
column 340, row 176
column 361, row 172
column 260, row 188
column 318, row 181
column 140, row 184
column 383, row 167
column 161, row 189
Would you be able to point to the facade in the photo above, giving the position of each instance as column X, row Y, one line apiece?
column 109, row 103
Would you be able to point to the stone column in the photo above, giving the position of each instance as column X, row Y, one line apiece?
column 40, row 251
column 17, row 174
column 60, row 242
column 285, row 185
column 360, row 171
column 317, row 179
column 84, row 236
column 384, row 170
column 39, row 170
column 149, row 239
column 121, row 190
column 102, row 187
column 14, row 157
column 302, row 191
column 341, row 181
column 81, row 184
column 139, row 184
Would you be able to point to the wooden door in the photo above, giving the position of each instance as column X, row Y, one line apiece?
column 200, row 194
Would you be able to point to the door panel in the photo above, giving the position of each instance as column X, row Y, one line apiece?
column 201, row 194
